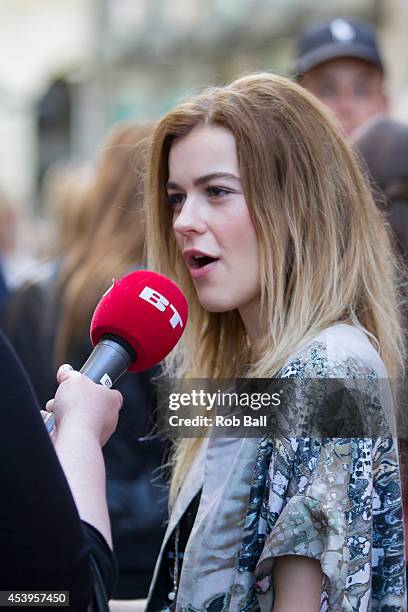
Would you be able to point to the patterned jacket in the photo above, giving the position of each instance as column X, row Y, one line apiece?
column 336, row 500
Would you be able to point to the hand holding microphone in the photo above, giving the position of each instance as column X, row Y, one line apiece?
column 82, row 406
column 136, row 324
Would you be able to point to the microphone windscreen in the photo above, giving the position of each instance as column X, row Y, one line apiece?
column 146, row 309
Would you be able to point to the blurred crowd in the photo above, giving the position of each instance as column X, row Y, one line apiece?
column 97, row 219
column 54, row 271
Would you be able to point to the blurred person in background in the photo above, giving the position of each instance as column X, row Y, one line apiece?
column 3, row 287
column 8, row 242
column 3, row 237
column 66, row 208
column 340, row 63
column 16, row 259
column 109, row 243
column 63, row 227
column 7, row 239
column 383, row 143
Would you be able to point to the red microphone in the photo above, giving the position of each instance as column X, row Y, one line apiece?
column 136, row 324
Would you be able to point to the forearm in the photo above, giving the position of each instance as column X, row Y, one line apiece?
column 81, row 458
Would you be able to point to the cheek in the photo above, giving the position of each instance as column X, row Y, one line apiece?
column 244, row 241
column 244, row 231
column 374, row 105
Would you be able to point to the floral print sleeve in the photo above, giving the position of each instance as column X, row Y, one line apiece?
column 336, row 500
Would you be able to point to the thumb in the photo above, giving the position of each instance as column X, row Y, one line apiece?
column 64, row 372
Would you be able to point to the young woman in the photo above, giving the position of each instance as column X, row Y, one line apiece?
column 257, row 208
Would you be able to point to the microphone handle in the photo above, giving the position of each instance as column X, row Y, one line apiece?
column 107, row 362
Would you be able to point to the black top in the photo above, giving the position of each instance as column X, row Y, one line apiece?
column 43, row 543
column 164, row 584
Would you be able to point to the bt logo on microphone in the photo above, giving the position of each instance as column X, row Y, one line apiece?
column 161, row 303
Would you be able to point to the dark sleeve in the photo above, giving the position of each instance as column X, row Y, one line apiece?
column 103, row 556
column 27, row 320
column 42, row 541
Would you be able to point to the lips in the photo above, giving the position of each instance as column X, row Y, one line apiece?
column 199, row 262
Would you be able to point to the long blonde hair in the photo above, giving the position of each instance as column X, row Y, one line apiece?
column 324, row 248
column 112, row 241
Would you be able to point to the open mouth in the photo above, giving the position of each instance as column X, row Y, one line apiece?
column 200, row 264
column 199, row 261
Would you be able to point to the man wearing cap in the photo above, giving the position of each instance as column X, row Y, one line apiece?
column 340, row 63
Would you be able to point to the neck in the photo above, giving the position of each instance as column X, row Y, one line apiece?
column 251, row 318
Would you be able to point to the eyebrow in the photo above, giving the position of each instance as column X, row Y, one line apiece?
column 201, row 180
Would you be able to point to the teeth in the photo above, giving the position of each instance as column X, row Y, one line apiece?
column 196, row 257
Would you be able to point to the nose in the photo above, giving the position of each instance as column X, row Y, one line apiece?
column 190, row 218
column 345, row 108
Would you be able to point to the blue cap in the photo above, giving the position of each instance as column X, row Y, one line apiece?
column 333, row 39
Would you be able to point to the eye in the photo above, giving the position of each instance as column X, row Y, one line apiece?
column 217, row 192
column 175, row 199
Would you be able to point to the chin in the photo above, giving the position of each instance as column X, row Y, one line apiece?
column 214, row 305
column 216, row 308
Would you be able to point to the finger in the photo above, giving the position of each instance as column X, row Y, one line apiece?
column 64, row 372
column 49, row 406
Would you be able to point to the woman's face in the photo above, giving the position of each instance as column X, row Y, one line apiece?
column 211, row 220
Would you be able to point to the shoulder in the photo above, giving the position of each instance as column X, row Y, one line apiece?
column 340, row 351
column 340, row 385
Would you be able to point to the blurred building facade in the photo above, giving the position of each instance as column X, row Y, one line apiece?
column 39, row 39
column 71, row 68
